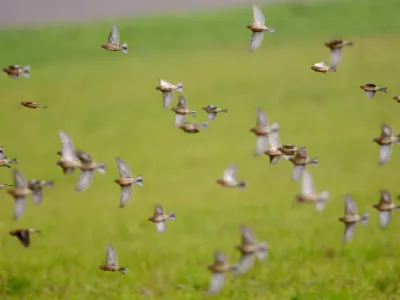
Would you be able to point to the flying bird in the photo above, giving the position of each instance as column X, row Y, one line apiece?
column 160, row 218
column 273, row 150
column 112, row 261
column 397, row 98
column 218, row 270
column 167, row 89
column 32, row 105
column 88, row 166
column 113, row 42
column 213, row 110
column 4, row 161
column 300, row 161
column 351, row 218
column 192, row 127
column 14, row 71
column 126, row 181
column 19, row 191
column 258, row 27
column 36, row 186
column 262, row 130
column 69, row 160
column 385, row 141
column 23, row 235
column 322, row 67
column 229, row 178
column 181, row 110
column 336, row 48
column 385, row 207
column 3, row 185
column 371, row 88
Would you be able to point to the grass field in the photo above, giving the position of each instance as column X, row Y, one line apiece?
column 107, row 103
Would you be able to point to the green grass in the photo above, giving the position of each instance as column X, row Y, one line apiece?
column 107, row 103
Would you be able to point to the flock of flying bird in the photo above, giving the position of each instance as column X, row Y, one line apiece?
column 267, row 142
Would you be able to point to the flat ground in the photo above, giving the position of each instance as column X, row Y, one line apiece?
column 107, row 103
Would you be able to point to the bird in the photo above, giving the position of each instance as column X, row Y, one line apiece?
column 385, row 141
column 167, row 89
column 336, row 48
column 181, row 110
column 385, row 207
column 397, row 98
column 218, row 270
column 36, row 186
column 258, row 27
column 3, row 185
column 19, row 191
column 113, row 41
column 192, row 127
column 14, row 71
column 308, row 193
column 351, row 217
column 229, row 178
column 273, row 150
column 299, row 161
column 4, row 161
column 69, row 161
column 32, row 105
column 160, row 218
column 248, row 249
column 126, row 181
column 23, row 235
column 262, row 130
column 322, row 67
column 371, row 88
column 112, row 261
column 213, row 110
column 87, row 166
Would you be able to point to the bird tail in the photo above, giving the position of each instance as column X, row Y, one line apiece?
column 124, row 48
column 203, row 125
column 321, row 200
column 139, row 181
column 383, row 89
column 271, row 29
column 314, row 161
column 243, row 184
column 50, row 183
column 397, row 139
column 101, row 168
column 123, row 270
column 171, row 216
column 224, row 110
column 262, row 250
column 13, row 160
column 193, row 113
column 349, row 43
column 26, row 70
column 332, row 69
column 397, row 207
column 364, row 219
column 179, row 87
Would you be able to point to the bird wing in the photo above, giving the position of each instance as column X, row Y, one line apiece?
column 256, row 41
column 350, row 207
column 68, row 149
column 216, row 283
column 19, row 179
column 123, row 168
column 126, row 192
column 84, row 180
column 111, row 256
column 384, row 153
column 386, row 130
column 307, row 185
column 230, row 173
column 258, row 16
column 262, row 119
column 113, row 37
column 247, row 235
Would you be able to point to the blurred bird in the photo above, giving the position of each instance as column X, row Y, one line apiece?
column 258, row 27
column 166, row 89
column 113, row 41
column 273, row 150
column 308, row 193
column 385, row 207
column 192, row 127
column 299, row 161
column 371, row 88
column 218, row 269
column 351, row 218
column 288, row 150
column 262, row 130
column 181, row 110
column 19, row 191
column 397, row 98
column 69, row 161
column 33, row 105
column 248, row 249
column 385, row 142
column 229, row 179
column 336, row 47
column 112, row 261
column 213, row 110
column 126, row 180
column 23, row 235
column 87, row 166
column 36, row 186
column 14, row 71
column 3, row 185
column 160, row 218
column 322, row 67
column 4, row 161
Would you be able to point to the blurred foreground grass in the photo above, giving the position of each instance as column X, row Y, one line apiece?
column 107, row 103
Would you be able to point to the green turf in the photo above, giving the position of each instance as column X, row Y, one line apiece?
column 107, row 103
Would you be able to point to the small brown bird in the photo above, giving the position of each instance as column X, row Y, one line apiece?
column 160, row 218
column 308, row 193
column 192, row 127
column 262, row 130
column 32, row 105
column 229, row 179
column 14, row 71
column 336, row 47
column 258, row 27
column 3, row 185
column 4, row 161
column 113, row 41
column 126, row 181
column 69, row 160
column 36, row 186
column 385, row 142
column 213, row 110
column 371, row 88
column 181, row 110
column 288, row 150
column 248, row 249
column 397, row 98
column 385, row 207
column 273, row 150
column 23, row 235
column 19, row 191
column 166, row 89
column 87, row 166
column 351, row 218
column 218, row 269
column 322, row 67
column 299, row 161
column 112, row 261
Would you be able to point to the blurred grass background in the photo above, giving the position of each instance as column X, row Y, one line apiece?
column 107, row 103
